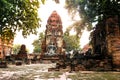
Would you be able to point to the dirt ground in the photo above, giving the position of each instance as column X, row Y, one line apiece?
column 40, row 72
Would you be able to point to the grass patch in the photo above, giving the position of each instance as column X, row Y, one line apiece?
column 95, row 76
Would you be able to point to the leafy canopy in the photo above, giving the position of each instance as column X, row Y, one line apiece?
column 38, row 42
column 92, row 11
column 18, row 15
column 71, row 41
column 16, row 48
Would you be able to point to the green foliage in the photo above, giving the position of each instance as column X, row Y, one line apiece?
column 43, row 1
column 7, row 33
column 91, row 11
column 108, row 8
column 19, row 15
column 16, row 48
column 37, row 47
column 72, row 41
column 37, row 43
column 78, row 26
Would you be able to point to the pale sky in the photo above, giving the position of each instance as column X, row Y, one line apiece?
column 44, row 12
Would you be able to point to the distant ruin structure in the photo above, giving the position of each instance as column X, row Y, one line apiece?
column 5, row 48
column 53, row 43
column 22, row 54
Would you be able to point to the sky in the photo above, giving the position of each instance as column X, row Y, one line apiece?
column 44, row 12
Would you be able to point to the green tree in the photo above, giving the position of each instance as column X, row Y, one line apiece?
column 18, row 15
column 91, row 11
column 16, row 48
column 71, row 41
column 37, row 47
column 37, row 43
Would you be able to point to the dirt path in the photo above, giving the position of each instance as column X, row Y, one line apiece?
column 40, row 72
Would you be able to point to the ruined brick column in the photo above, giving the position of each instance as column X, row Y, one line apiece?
column 113, row 40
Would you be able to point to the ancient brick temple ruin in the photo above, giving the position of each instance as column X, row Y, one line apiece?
column 53, row 43
column 106, row 40
column 5, row 48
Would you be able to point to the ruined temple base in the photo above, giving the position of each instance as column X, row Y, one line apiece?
column 50, row 59
column 18, row 63
column 3, row 64
column 89, row 65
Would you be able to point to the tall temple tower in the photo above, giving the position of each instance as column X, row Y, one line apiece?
column 53, row 43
